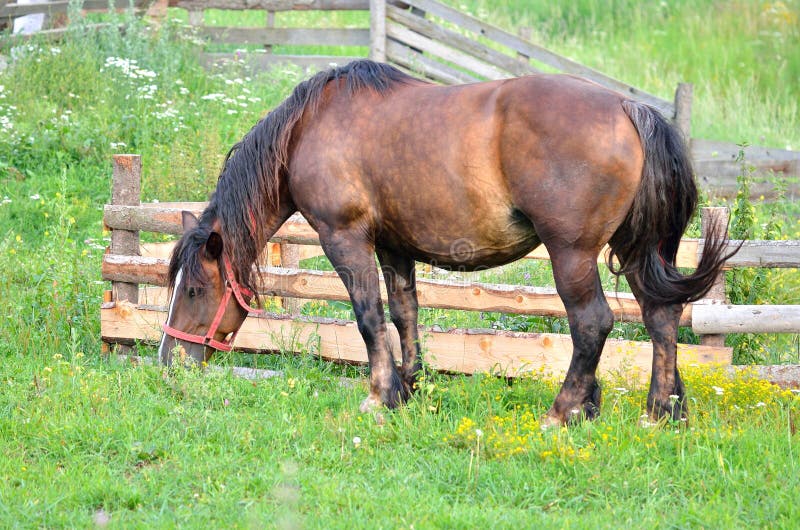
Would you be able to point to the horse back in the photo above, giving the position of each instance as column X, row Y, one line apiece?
column 422, row 167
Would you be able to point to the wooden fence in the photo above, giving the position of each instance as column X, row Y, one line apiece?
column 425, row 37
column 55, row 13
column 133, row 313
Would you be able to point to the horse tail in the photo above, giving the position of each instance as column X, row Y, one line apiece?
column 646, row 243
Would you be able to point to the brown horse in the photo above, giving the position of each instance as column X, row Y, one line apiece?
column 464, row 177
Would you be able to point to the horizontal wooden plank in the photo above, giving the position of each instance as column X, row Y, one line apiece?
column 51, row 34
column 465, row 351
column 275, row 5
column 288, row 36
column 783, row 375
column 538, row 52
column 166, row 218
column 460, row 59
column 419, row 64
column 164, row 251
column 722, row 318
column 715, row 150
column 435, row 32
column 757, row 253
column 719, row 177
column 134, row 269
column 262, row 61
column 440, row 294
column 12, row 10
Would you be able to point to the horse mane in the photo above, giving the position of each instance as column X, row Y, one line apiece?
column 248, row 187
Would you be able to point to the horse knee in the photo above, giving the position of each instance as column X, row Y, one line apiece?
column 605, row 319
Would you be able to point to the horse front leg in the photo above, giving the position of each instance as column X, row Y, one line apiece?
column 590, row 321
column 401, row 288
column 353, row 257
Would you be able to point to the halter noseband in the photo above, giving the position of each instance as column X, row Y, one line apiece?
column 239, row 292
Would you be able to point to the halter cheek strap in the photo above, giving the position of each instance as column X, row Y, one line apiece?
column 232, row 288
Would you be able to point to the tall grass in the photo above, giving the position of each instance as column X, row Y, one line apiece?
column 743, row 57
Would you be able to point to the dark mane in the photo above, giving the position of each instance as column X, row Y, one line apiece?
column 248, row 186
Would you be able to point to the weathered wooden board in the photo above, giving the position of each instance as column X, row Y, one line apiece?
column 261, row 61
column 276, row 5
column 418, row 64
column 759, row 253
column 287, row 36
column 166, row 218
column 13, row 9
column 47, row 34
column 715, row 150
column 435, row 32
column 377, row 30
column 164, row 251
column 441, row 294
column 465, row 351
column 725, row 318
column 718, row 178
column 461, row 59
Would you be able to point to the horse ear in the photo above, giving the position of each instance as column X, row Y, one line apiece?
column 189, row 220
column 214, row 246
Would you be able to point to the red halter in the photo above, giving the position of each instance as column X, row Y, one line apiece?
column 232, row 287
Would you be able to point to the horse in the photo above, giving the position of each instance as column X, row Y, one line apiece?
column 463, row 177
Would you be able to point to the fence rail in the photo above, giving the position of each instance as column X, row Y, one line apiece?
column 11, row 10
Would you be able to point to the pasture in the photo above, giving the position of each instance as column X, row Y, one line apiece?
column 87, row 439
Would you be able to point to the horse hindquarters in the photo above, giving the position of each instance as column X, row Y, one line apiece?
column 646, row 245
column 573, row 174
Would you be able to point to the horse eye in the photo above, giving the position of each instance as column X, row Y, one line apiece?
column 192, row 292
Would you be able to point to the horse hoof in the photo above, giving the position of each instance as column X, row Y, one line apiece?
column 550, row 421
column 370, row 404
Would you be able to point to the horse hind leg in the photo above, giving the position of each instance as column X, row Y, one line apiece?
column 667, row 397
column 590, row 321
column 353, row 257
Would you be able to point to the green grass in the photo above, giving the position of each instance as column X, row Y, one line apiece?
column 80, row 433
column 150, row 448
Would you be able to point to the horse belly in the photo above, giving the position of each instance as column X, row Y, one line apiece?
column 483, row 243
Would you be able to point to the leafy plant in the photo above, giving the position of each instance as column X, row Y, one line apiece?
column 752, row 285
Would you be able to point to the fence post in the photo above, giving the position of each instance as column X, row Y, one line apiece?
column 683, row 110
column 710, row 217
column 270, row 25
column 196, row 17
column 377, row 30
column 290, row 259
column 126, row 190
column 524, row 33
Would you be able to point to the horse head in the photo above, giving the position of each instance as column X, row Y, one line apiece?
column 207, row 305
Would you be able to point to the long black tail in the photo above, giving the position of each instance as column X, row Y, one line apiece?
column 647, row 241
